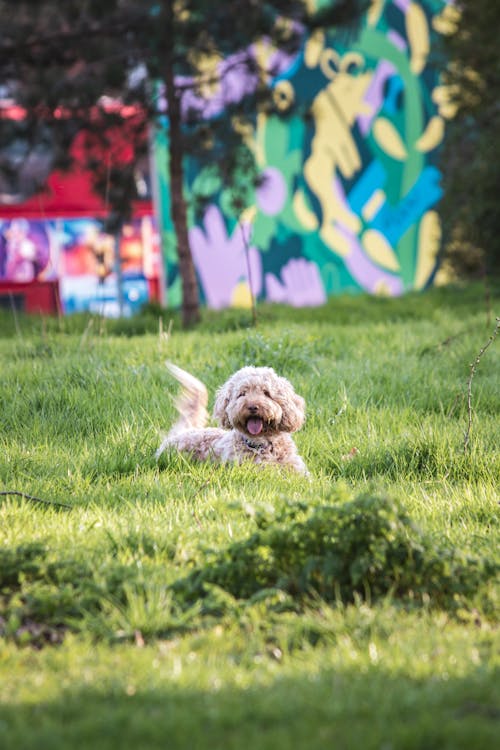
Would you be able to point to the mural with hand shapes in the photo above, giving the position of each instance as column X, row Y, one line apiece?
column 348, row 193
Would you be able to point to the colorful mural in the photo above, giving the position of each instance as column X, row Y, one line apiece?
column 82, row 258
column 25, row 251
column 348, row 194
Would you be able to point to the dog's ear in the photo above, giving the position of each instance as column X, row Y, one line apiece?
column 222, row 399
column 293, row 407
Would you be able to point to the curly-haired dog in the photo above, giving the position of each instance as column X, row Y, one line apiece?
column 256, row 410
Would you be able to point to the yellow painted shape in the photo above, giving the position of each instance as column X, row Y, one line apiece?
column 329, row 63
column 333, row 149
column 307, row 218
column 335, row 240
column 444, row 276
column 314, row 47
column 417, row 31
column 263, row 51
column 429, row 241
column 442, row 97
column 375, row 11
column 283, row 95
column 373, row 204
column 259, row 148
column 382, row 288
column 181, row 10
column 208, row 81
column 319, row 171
column 432, row 135
column 389, row 139
column 248, row 215
column 446, row 22
column 351, row 58
column 332, row 64
column 241, row 295
column 378, row 249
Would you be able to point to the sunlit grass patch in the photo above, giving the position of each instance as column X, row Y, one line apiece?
column 233, row 606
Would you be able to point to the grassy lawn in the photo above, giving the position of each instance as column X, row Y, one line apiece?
column 183, row 605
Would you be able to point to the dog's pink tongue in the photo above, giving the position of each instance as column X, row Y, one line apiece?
column 255, row 425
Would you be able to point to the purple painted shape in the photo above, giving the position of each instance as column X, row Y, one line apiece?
column 375, row 94
column 238, row 78
column 271, row 193
column 24, row 249
column 221, row 259
column 278, row 61
column 300, row 285
column 402, row 5
column 397, row 40
column 339, row 192
column 368, row 275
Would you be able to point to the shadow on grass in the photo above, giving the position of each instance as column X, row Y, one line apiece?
column 366, row 548
column 341, row 708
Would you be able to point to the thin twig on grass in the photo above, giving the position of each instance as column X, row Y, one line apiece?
column 451, row 410
column 194, row 494
column 33, row 499
column 473, row 368
column 200, row 525
column 446, row 342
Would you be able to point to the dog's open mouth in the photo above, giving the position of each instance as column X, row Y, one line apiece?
column 255, row 425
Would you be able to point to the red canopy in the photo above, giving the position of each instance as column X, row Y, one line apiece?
column 66, row 195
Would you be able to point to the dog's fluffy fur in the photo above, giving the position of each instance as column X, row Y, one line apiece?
column 256, row 410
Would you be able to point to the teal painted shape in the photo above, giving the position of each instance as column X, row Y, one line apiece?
column 373, row 178
column 394, row 221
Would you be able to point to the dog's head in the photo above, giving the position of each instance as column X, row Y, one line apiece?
column 257, row 402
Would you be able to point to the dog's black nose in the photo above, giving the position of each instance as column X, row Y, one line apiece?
column 252, row 409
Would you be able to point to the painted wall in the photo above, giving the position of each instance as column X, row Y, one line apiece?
column 56, row 235
column 348, row 198
column 81, row 257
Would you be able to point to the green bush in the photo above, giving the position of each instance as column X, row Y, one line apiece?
column 367, row 547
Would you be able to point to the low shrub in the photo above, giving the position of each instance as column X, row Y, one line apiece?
column 367, row 547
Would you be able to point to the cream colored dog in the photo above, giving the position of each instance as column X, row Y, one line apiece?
column 256, row 410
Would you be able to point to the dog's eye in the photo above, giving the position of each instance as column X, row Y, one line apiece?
column 266, row 393
column 241, row 394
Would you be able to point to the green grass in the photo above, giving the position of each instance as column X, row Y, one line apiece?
column 187, row 605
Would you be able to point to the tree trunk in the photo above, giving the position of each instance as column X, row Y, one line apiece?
column 190, row 297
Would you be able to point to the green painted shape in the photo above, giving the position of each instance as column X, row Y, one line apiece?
column 376, row 45
column 207, row 183
column 161, row 167
column 263, row 231
column 407, row 250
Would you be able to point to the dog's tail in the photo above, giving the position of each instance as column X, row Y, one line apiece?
column 191, row 404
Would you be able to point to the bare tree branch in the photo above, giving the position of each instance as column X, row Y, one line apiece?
column 473, row 369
